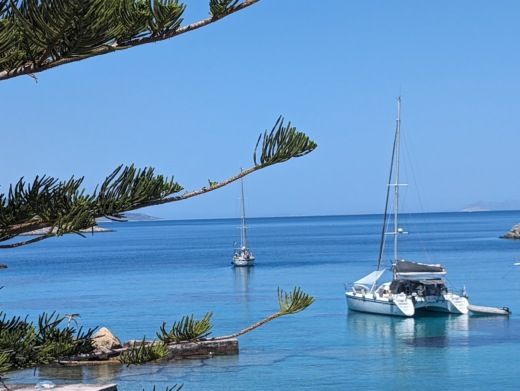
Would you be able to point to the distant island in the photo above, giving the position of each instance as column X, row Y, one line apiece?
column 475, row 209
column 488, row 206
column 44, row 231
column 131, row 217
column 98, row 229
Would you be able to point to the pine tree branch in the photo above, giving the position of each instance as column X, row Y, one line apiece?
column 38, row 224
column 289, row 303
column 203, row 190
column 64, row 207
column 30, row 66
column 26, row 242
column 24, row 228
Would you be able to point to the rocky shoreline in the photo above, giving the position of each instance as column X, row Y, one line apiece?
column 108, row 348
column 513, row 233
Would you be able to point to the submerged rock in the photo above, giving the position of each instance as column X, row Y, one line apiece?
column 514, row 233
column 104, row 340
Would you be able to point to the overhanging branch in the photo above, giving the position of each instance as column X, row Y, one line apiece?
column 32, row 66
column 26, row 242
column 64, row 207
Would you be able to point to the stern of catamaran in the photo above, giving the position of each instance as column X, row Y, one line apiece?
column 426, row 285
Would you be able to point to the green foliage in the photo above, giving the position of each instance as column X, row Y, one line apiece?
column 5, row 362
column 129, row 187
column 165, row 16
column 187, row 329
column 143, row 352
column 18, row 341
column 37, row 34
column 282, row 144
column 293, row 302
column 218, row 8
column 62, row 342
column 22, row 344
column 65, row 207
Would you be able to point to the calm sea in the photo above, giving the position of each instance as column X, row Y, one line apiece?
column 145, row 273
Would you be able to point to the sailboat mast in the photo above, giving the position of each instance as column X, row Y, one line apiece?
column 243, row 240
column 396, row 189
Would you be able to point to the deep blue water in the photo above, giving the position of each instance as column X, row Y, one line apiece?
column 133, row 279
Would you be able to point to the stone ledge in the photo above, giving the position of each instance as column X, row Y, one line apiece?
column 205, row 348
column 66, row 387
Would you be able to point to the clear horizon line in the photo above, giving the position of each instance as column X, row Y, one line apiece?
column 324, row 215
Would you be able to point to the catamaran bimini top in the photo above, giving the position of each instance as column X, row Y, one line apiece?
column 406, row 270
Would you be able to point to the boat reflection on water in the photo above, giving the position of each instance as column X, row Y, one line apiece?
column 432, row 330
column 243, row 277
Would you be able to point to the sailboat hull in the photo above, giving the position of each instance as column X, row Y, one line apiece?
column 374, row 304
column 239, row 261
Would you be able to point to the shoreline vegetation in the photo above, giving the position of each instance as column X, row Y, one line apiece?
column 56, row 339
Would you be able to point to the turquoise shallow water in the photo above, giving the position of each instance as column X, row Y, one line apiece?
column 133, row 279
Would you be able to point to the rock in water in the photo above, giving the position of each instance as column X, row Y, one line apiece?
column 514, row 233
column 105, row 340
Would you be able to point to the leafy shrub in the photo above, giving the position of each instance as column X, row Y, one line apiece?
column 143, row 352
column 22, row 344
column 187, row 329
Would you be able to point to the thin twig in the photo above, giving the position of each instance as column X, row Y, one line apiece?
column 252, row 327
column 30, row 241
column 2, row 381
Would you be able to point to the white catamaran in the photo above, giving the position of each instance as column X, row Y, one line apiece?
column 414, row 286
column 243, row 256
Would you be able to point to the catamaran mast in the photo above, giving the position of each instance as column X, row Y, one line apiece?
column 394, row 164
column 243, row 239
column 396, row 189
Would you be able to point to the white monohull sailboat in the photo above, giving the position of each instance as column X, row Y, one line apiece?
column 414, row 286
column 243, row 256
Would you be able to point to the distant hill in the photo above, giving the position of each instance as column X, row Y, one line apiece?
column 484, row 206
column 133, row 217
column 475, row 208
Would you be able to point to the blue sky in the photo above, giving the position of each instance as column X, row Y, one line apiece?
column 193, row 107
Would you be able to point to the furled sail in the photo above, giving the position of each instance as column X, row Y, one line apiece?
column 418, row 271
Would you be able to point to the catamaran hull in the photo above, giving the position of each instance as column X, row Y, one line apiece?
column 372, row 305
column 452, row 304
